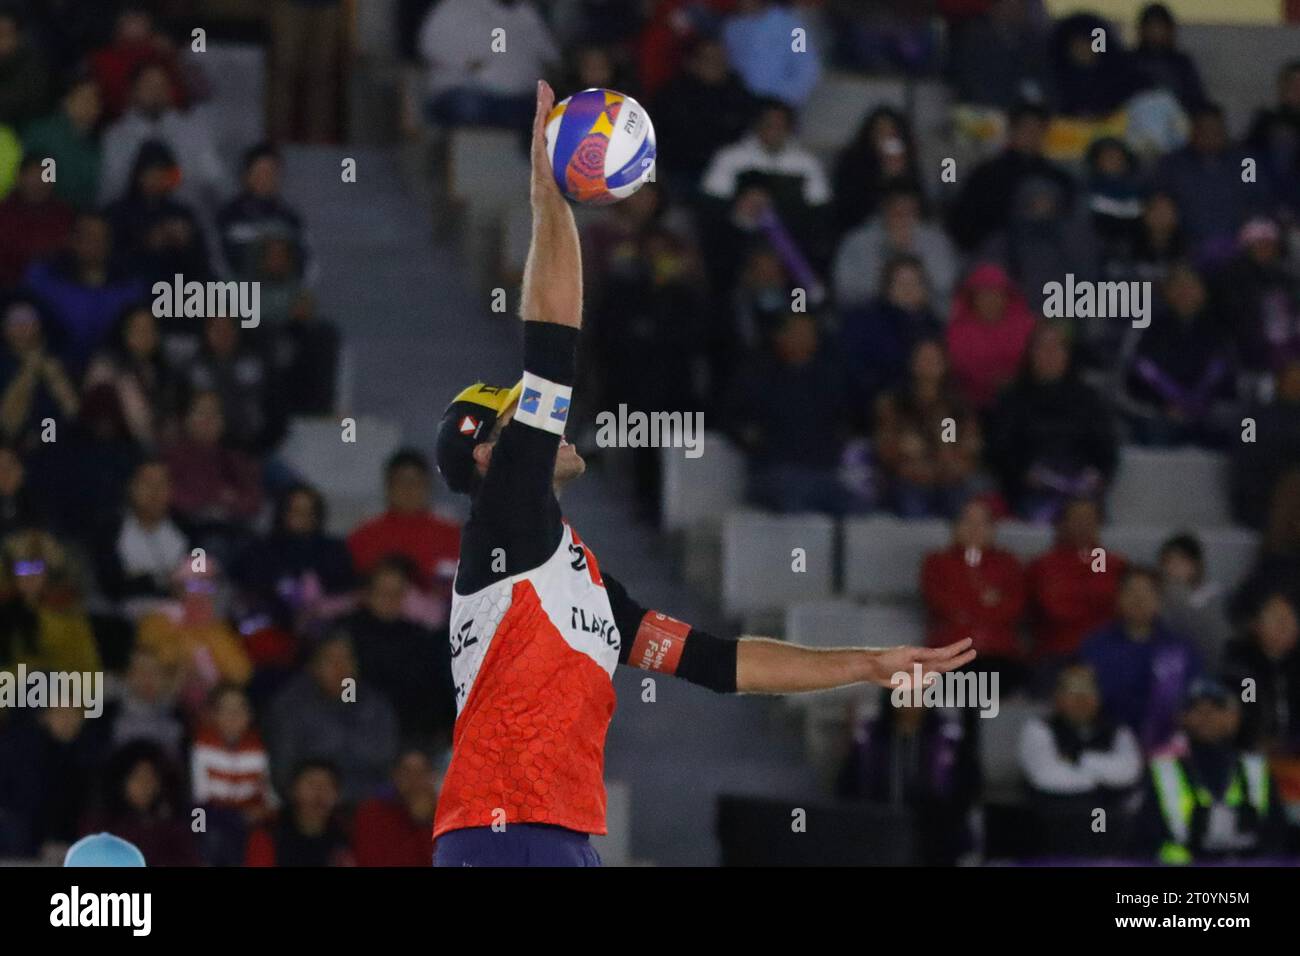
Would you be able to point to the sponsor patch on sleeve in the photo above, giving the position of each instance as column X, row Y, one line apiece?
column 544, row 404
column 659, row 643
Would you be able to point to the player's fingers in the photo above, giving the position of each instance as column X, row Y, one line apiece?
column 545, row 100
column 940, row 667
column 962, row 661
column 943, row 653
column 540, row 160
column 539, row 115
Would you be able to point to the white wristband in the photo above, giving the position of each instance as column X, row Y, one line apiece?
column 544, row 404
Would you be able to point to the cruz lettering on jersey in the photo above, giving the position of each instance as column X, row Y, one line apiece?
column 461, row 639
column 581, row 620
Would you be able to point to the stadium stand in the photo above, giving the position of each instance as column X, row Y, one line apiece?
column 756, row 545
column 882, row 556
column 1170, row 488
column 377, row 307
column 700, row 490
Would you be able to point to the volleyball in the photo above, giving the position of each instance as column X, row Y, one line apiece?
column 601, row 145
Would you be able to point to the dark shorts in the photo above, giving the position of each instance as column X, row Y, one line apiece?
column 519, row 844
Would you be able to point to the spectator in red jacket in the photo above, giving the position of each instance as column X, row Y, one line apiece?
column 671, row 28
column 408, row 527
column 34, row 223
column 975, row 589
column 136, row 41
column 395, row 827
column 1073, row 586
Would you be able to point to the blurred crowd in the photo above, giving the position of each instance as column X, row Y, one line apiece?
column 832, row 312
column 870, row 333
column 1153, row 694
column 870, row 325
column 290, row 684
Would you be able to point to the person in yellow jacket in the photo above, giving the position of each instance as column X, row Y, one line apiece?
column 1213, row 801
column 42, row 624
column 191, row 636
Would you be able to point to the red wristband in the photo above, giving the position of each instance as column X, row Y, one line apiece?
column 659, row 643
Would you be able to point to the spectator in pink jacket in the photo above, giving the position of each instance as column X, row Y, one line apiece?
column 988, row 333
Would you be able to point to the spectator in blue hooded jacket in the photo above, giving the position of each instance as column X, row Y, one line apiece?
column 83, row 290
column 1143, row 668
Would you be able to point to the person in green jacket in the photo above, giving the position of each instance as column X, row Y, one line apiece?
column 68, row 136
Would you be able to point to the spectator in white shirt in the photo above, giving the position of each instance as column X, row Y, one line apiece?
column 1076, row 761
column 484, row 59
column 138, row 558
column 898, row 229
column 769, row 149
column 153, row 116
column 767, row 170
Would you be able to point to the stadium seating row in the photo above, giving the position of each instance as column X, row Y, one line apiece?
column 772, row 561
column 699, row 489
column 1155, row 493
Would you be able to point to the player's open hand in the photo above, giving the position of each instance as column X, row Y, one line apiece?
column 890, row 662
column 543, row 180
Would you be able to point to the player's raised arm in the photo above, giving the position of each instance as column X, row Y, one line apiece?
column 553, row 273
column 527, row 459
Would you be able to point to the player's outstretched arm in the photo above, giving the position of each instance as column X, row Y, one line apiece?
column 553, row 272
column 653, row 641
column 766, row 666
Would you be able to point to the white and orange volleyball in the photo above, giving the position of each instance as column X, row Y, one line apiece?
column 601, row 145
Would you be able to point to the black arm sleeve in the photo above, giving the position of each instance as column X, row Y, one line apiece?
column 518, row 483
column 702, row 659
column 515, row 509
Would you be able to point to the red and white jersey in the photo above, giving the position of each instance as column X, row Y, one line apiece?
column 536, row 631
column 228, row 775
column 533, row 655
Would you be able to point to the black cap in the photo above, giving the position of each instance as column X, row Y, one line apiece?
column 467, row 422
